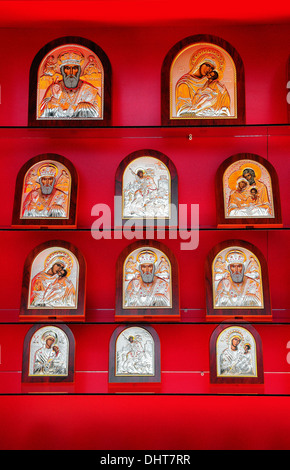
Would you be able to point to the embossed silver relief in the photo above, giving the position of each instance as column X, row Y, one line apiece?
column 54, row 279
column 46, row 191
column 49, row 352
column 135, row 353
column 146, row 189
column 237, row 279
column 70, row 84
column 236, row 353
column 147, row 279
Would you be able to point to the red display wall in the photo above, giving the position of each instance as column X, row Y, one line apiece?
column 178, row 416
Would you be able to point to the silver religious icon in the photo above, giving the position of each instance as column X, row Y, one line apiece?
column 54, row 280
column 146, row 190
column 134, row 353
column 237, row 279
column 247, row 191
column 70, row 84
column 203, row 80
column 49, row 352
column 147, row 279
column 236, row 354
column 203, row 83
